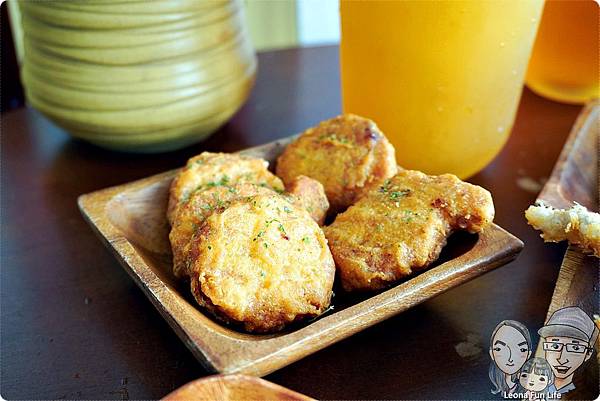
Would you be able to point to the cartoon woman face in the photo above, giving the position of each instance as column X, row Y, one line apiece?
column 532, row 381
column 509, row 349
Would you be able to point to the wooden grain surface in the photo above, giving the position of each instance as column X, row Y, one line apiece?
column 575, row 179
column 575, row 175
column 234, row 388
column 74, row 325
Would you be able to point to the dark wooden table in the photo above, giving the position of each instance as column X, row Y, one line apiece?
column 74, row 325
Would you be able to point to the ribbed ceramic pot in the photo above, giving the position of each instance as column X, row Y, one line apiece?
column 143, row 76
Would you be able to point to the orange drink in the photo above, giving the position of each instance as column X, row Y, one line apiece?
column 442, row 79
column 566, row 55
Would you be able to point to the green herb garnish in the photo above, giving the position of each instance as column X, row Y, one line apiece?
column 221, row 183
column 259, row 235
column 386, row 186
column 399, row 194
column 334, row 138
column 408, row 215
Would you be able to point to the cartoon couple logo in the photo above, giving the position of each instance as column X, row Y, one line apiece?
column 568, row 340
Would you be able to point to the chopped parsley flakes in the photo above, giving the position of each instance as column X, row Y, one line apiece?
column 334, row 138
column 409, row 215
column 222, row 182
column 394, row 195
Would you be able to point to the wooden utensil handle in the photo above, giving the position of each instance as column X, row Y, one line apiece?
column 575, row 175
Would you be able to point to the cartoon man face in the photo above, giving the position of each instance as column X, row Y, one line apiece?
column 568, row 339
column 532, row 381
column 566, row 354
column 509, row 349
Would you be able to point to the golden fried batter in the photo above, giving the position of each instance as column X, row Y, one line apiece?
column 346, row 154
column 402, row 226
column 577, row 225
column 310, row 195
column 261, row 263
column 191, row 213
column 213, row 169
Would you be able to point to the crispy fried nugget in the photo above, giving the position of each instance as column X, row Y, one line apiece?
column 213, row 169
column 346, row 154
column 577, row 225
column 191, row 213
column 261, row 263
column 402, row 226
column 310, row 195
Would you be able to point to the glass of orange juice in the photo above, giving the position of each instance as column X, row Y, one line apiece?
column 565, row 61
column 442, row 79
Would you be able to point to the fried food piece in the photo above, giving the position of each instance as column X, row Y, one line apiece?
column 402, row 227
column 213, row 169
column 346, row 154
column 577, row 225
column 191, row 213
column 261, row 263
column 310, row 195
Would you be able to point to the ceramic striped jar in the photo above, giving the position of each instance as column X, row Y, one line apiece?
column 133, row 75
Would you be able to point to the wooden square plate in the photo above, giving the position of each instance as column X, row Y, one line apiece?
column 130, row 219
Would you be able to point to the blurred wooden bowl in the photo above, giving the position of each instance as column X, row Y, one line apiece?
column 238, row 52
column 118, row 38
column 139, row 6
column 135, row 75
column 193, row 42
column 62, row 36
column 234, row 388
column 153, row 117
column 68, row 97
column 50, row 12
column 230, row 64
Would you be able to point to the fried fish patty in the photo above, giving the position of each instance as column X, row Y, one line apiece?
column 261, row 263
column 346, row 154
column 191, row 213
column 213, row 169
column 310, row 195
column 402, row 227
